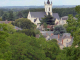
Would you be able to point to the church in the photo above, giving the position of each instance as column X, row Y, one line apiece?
column 35, row 17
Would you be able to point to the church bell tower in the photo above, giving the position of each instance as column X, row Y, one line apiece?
column 48, row 7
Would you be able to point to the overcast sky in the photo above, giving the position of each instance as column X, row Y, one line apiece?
column 37, row 2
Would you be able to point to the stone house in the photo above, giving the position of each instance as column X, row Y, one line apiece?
column 49, row 27
column 64, row 19
column 65, row 40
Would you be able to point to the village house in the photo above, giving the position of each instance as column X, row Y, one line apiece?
column 6, row 22
column 49, row 27
column 64, row 19
column 35, row 17
column 65, row 40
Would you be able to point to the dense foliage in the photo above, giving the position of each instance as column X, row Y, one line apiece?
column 24, row 23
column 59, row 30
column 24, row 47
column 48, row 20
column 74, row 26
column 28, row 32
column 5, row 54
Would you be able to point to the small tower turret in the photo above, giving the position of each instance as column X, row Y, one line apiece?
column 48, row 2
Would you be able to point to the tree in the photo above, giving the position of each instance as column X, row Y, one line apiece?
column 24, row 23
column 52, row 50
column 4, row 17
column 1, row 13
column 74, row 27
column 78, row 9
column 69, row 53
column 71, row 24
column 10, row 28
column 0, row 19
column 65, row 26
column 28, row 32
column 11, row 16
column 5, row 54
column 45, row 26
column 32, row 48
column 26, row 47
column 48, row 20
column 19, row 15
column 59, row 30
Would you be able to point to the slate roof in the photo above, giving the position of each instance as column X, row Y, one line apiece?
column 56, row 15
column 17, row 28
column 54, row 37
column 66, row 18
column 42, row 15
column 65, row 35
column 45, row 33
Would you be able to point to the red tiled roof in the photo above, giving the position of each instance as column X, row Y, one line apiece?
column 6, row 22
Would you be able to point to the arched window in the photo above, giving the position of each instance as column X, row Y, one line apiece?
column 49, row 9
column 46, row 9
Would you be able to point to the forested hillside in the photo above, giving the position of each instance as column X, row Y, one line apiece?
column 12, row 14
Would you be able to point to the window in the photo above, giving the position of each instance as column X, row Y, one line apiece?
column 49, row 9
column 35, row 20
column 66, row 44
column 46, row 9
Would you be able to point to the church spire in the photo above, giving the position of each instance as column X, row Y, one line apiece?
column 48, row 2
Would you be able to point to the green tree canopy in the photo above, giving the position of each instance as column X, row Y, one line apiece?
column 5, row 16
column 71, row 24
column 24, row 47
column 69, row 53
column 74, row 27
column 28, row 32
column 59, row 30
column 11, row 16
column 1, row 12
column 48, row 20
column 0, row 19
column 19, row 15
column 5, row 54
column 24, row 23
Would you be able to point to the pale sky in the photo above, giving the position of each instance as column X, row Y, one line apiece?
column 37, row 2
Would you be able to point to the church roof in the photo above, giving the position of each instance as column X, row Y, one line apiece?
column 42, row 14
column 56, row 15
column 38, row 14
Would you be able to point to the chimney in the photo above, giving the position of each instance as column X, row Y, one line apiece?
column 6, row 20
column 62, row 41
column 70, row 36
column 52, row 34
column 46, row 33
column 58, row 36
